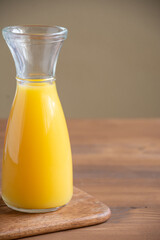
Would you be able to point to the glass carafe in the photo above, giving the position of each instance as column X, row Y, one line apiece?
column 37, row 164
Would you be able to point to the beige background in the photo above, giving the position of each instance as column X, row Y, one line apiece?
column 108, row 66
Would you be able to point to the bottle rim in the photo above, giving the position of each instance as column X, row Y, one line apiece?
column 35, row 32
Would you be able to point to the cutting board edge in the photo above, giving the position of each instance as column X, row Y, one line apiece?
column 83, row 221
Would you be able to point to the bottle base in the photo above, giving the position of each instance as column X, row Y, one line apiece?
column 26, row 210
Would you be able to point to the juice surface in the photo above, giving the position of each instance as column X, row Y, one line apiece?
column 37, row 165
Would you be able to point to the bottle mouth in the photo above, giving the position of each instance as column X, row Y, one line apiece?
column 56, row 33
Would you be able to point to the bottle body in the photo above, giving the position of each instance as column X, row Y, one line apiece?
column 37, row 164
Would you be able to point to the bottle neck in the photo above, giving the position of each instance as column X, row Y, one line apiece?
column 36, row 81
column 35, row 49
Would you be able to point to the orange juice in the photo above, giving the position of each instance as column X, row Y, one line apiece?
column 37, row 165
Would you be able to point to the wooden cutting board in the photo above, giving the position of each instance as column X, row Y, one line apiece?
column 83, row 210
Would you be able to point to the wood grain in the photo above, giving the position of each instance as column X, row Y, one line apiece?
column 83, row 210
column 118, row 162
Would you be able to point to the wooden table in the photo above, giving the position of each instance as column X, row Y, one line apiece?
column 117, row 161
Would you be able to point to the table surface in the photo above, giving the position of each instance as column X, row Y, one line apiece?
column 118, row 162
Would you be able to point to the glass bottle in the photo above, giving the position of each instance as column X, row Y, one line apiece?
column 37, row 164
